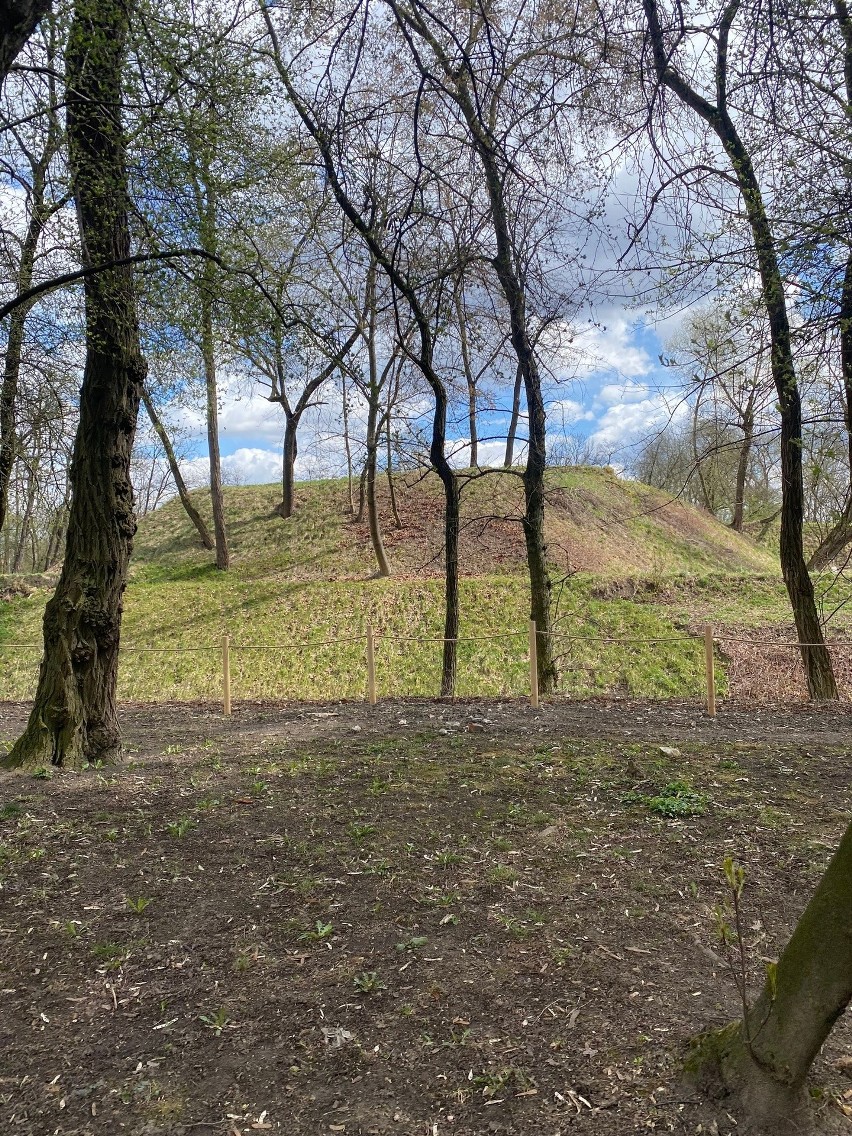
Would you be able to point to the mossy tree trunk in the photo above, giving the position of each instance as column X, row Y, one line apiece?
column 74, row 717
column 762, row 1064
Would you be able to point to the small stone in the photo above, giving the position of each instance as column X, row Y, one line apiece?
column 670, row 751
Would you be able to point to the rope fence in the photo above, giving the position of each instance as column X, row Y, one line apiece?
column 532, row 635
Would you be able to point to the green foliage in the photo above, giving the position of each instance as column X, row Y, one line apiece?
column 138, row 905
column 677, row 799
column 319, row 933
column 368, row 982
column 180, row 827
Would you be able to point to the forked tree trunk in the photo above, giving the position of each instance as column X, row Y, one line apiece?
column 177, row 477
column 762, row 1064
column 74, row 717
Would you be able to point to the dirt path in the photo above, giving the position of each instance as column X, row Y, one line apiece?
column 425, row 919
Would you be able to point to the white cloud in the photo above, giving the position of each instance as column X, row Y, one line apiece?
column 611, row 346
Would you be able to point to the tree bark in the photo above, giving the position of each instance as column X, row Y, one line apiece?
column 742, row 470
column 815, row 654
column 18, row 20
column 12, row 363
column 470, row 381
column 223, row 559
column 346, row 445
column 391, row 488
column 382, row 566
column 763, row 1062
column 288, row 465
column 180, row 484
column 513, row 421
column 74, row 717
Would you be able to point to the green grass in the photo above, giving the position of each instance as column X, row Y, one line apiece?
column 187, row 613
column 638, row 568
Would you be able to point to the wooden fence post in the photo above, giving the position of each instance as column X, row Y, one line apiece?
column 226, row 674
column 533, row 665
column 371, row 665
column 711, row 674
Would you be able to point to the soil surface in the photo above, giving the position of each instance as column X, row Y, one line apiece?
column 423, row 918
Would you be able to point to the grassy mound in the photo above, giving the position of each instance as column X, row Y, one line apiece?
column 633, row 566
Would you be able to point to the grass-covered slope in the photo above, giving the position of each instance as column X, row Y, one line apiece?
column 596, row 523
column 636, row 566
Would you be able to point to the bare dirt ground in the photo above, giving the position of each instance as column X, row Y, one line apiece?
column 424, row 918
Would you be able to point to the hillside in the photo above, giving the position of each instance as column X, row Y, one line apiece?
column 596, row 523
column 632, row 566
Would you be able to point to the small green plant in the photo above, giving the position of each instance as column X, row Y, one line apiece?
column 361, row 831
column 138, row 906
column 503, row 874
column 172, row 749
column 318, row 934
column 413, row 944
column 368, row 982
column 216, row 1021
column 42, row 773
column 180, row 827
column 447, row 858
column 678, row 799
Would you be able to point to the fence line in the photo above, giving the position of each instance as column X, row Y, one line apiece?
column 373, row 637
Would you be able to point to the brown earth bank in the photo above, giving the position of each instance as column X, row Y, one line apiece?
column 424, row 918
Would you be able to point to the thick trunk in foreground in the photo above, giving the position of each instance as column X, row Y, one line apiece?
column 74, row 717
column 761, row 1065
column 180, row 484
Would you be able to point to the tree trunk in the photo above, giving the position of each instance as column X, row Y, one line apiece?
column 74, row 717
column 534, row 470
column 840, row 534
column 216, row 496
column 180, row 484
column 470, row 380
column 18, row 20
column 815, row 655
column 383, row 568
column 513, row 421
column 362, row 495
column 451, row 575
column 742, row 471
column 391, row 489
column 346, row 445
column 288, row 465
column 26, row 519
column 763, row 1062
